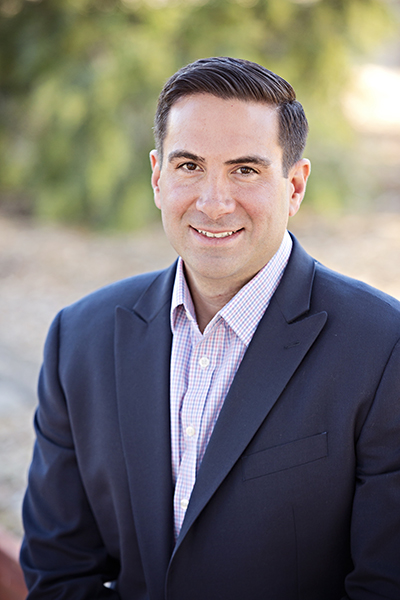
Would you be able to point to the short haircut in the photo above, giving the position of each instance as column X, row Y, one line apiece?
column 229, row 78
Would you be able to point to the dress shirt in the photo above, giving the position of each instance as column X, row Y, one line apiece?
column 203, row 366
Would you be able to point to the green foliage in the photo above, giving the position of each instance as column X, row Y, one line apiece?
column 80, row 79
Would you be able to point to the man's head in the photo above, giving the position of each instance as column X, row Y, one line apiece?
column 233, row 78
column 227, row 183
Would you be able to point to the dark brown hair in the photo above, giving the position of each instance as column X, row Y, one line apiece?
column 227, row 78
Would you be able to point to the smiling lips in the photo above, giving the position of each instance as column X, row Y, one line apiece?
column 209, row 234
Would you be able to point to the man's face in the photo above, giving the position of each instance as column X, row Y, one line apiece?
column 224, row 201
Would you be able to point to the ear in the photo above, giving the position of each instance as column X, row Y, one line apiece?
column 155, row 177
column 297, row 177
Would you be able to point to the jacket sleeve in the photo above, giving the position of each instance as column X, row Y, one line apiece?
column 375, row 525
column 62, row 555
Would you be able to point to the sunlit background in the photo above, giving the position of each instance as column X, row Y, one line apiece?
column 80, row 78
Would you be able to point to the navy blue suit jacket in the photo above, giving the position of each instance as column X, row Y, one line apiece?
column 298, row 494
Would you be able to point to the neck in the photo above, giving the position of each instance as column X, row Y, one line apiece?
column 207, row 307
column 209, row 299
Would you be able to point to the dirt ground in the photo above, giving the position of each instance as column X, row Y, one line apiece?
column 43, row 268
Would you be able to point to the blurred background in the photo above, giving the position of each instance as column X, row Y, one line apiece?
column 79, row 81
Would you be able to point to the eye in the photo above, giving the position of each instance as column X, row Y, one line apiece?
column 245, row 170
column 188, row 166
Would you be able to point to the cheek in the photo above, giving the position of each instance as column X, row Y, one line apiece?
column 259, row 207
column 175, row 199
column 270, row 202
column 256, row 198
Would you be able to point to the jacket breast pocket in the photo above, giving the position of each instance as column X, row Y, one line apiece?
column 285, row 456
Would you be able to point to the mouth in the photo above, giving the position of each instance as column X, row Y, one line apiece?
column 222, row 234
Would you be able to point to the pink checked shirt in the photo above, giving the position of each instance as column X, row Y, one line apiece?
column 203, row 366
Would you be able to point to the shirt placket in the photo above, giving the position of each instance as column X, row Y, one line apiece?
column 200, row 374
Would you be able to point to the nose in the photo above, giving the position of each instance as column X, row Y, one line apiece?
column 215, row 199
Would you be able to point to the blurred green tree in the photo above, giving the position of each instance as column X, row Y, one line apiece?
column 80, row 79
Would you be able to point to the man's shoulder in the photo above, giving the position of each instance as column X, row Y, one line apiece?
column 349, row 288
column 355, row 299
column 124, row 293
column 315, row 287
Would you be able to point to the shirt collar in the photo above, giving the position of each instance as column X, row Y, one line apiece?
column 256, row 294
column 181, row 296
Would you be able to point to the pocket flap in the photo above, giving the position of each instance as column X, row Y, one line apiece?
column 285, row 456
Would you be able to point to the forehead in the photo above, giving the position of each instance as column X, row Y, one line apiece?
column 203, row 121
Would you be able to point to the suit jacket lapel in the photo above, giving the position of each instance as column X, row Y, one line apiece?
column 142, row 350
column 279, row 345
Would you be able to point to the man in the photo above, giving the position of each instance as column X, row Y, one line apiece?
column 228, row 428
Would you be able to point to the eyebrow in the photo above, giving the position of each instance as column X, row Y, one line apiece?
column 185, row 154
column 254, row 159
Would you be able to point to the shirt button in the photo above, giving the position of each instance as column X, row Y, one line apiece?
column 184, row 503
column 204, row 362
column 190, row 431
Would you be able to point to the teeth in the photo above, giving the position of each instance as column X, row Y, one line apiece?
column 216, row 235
